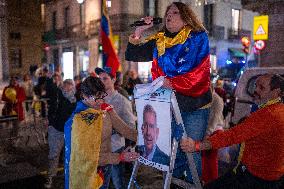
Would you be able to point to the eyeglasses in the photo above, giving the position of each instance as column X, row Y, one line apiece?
column 151, row 126
column 99, row 96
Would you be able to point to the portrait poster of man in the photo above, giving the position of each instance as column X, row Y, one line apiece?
column 154, row 130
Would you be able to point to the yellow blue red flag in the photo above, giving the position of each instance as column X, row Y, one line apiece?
column 109, row 55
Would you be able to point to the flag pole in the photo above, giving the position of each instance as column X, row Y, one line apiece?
column 100, row 53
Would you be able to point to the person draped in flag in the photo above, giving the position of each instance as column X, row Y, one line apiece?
column 109, row 55
column 180, row 52
column 87, row 133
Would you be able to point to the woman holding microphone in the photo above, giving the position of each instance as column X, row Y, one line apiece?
column 180, row 52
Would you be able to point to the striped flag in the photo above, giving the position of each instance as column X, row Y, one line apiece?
column 109, row 56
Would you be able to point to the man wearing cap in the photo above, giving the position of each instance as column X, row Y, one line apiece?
column 124, row 109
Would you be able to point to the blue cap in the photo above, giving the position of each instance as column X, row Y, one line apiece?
column 105, row 70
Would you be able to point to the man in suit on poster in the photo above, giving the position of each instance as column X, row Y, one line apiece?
column 150, row 131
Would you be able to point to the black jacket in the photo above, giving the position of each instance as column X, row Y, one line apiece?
column 63, row 109
column 144, row 53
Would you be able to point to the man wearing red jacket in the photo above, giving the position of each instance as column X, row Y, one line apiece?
column 261, row 159
column 13, row 102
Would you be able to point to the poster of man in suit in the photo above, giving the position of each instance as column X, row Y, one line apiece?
column 154, row 128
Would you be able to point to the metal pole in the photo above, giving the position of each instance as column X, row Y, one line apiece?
column 133, row 174
column 259, row 62
column 246, row 61
column 168, row 179
column 190, row 159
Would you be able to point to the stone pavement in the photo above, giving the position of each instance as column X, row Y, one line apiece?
column 25, row 172
column 24, row 166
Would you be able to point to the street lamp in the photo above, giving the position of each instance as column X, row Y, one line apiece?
column 80, row 1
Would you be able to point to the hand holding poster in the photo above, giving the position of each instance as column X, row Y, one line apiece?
column 149, row 88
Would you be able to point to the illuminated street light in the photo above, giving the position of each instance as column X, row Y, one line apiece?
column 246, row 44
column 80, row 1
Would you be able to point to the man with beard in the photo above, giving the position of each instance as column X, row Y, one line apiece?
column 261, row 159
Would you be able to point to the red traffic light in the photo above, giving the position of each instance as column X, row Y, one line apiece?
column 46, row 47
column 245, row 41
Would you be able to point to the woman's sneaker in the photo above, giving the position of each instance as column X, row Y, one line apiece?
column 48, row 182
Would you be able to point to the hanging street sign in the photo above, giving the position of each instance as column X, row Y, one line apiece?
column 259, row 45
column 260, row 27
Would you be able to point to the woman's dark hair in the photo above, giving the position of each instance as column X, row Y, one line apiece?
column 188, row 16
column 92, row 86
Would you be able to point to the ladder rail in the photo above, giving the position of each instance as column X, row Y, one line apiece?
column 190, row 159
column 168, row 179
column 133, row 174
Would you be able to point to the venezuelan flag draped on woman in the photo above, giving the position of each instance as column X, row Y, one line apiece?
column 183, row 58
column 180, row 53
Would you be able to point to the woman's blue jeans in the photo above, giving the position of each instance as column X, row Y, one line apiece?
column 195, row 124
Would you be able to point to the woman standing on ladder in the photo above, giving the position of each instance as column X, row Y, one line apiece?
column 180, row 52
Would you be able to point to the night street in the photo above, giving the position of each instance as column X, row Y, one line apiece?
column 141, row 94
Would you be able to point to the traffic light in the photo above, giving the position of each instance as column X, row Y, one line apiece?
column 46, row 47
column 246, row 44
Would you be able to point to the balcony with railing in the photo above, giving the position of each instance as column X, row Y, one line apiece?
column 93, row 27
column 121, row 22
column 72, row 32
column 255, row 5
column 234, row 34
column 217, row 32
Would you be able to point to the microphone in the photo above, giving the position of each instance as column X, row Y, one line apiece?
column 155, row 21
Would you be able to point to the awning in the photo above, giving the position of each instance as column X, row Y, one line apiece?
column 236, row 52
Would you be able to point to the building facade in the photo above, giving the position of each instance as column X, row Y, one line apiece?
column 72, row 30
column 71, row 35
column 20, row 32
column 273, row 54
column 227, row 22
column 4, row 67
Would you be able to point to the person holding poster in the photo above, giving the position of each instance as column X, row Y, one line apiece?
column 123, row 108
column 150, row 131
column 87, row 133
column 180, row 52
